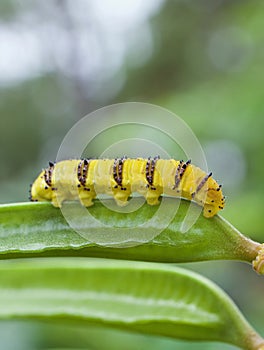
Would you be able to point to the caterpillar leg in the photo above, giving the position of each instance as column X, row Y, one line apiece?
column 152, row 198
column 86, row 196
column 57, row 201
column 121, row 199
column 87, row 202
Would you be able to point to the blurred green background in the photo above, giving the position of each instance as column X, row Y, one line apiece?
column 201, row 59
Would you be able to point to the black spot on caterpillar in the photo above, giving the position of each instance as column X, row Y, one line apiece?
column 83, row 179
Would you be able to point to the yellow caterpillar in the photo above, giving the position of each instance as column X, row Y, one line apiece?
column 84, row 179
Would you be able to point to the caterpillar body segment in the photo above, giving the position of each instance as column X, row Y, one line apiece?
column 83, row 179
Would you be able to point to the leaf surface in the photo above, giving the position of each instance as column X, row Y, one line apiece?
column 144, row 297
column 39, row 229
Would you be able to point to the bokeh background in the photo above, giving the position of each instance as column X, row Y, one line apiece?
column 201, row 59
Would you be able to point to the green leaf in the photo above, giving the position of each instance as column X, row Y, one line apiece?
column 143, row 297
column 39, row 229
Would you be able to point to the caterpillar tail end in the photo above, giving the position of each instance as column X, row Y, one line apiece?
column 258, row 263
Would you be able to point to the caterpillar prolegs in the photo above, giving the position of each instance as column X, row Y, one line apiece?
column 84, row 179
